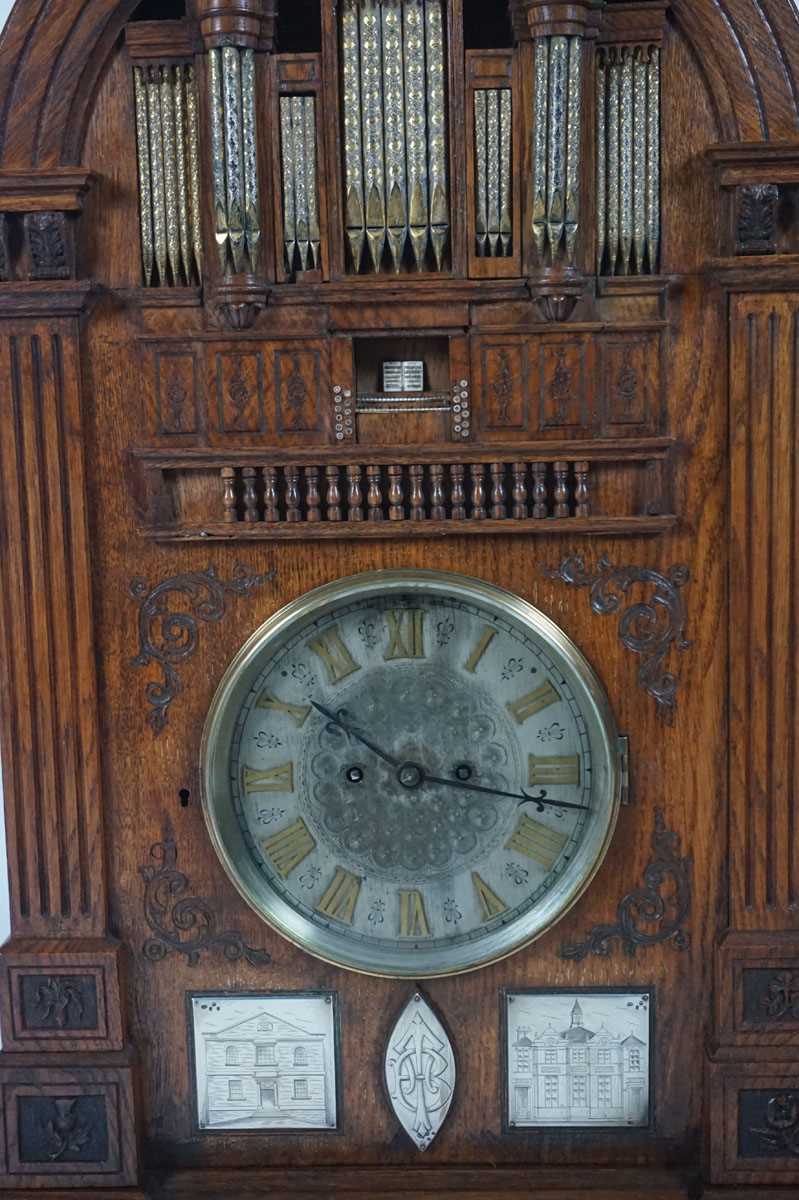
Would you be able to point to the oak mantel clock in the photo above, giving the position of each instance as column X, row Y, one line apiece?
column 398, row 505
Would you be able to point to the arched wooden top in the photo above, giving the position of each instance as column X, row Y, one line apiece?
column 53, row 52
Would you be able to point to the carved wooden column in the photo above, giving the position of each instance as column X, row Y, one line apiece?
column 66, row 1126
column 237, row 36
column 557, row 71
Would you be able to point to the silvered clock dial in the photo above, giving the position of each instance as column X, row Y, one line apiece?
column 410, row 773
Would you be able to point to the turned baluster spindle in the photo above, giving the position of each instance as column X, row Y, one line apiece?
column 478, row 492
column 293, row 502
column 333, row 494
column 271, row 508
column 374, row 493
column 520, row 491
column 416, row 474
column 561, row 489
column 396, row 496
column 250, row 498
column 458, row 494
column 355, row 493
column 540, row 509
column 312, row 497
column 438, row 506
column 498, row 506
column 229, row 495
column 582, row 493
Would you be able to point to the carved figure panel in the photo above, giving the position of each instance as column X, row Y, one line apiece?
column 239, row 385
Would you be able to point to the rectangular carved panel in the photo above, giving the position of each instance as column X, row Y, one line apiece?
column 503, row 386
column 239, row 382
column 300, row 379
column 176, row 407
column 48, row 699
column 757, row 990
column 60, row 996
column 563, row 372
column 755, row 1134
column 630, row 383
column 67, row 1128
column 764, row 611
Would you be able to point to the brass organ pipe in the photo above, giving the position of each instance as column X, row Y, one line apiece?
column 394, row 108
column 287, row 164
column 157, row 176
column 653, row 157
column 234, row 153
column 309, row 120
column 573, row 148
column 178, row 84
column 218, row 154
column 437, row 142
column 541, row 102
column 481, row 150
column 355, row 218
column 193, row 135
column 416, row 124
column 492, row 182
column 639, row 161
column 506, row 171
column 372, row 101
column 556, row 164
column 169, row 134
column 626, row 161
column 252, row 201
column 145, row 181
column 300, row 180
column 601, row 159
column 614, row 76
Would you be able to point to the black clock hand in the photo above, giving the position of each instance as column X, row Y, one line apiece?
column 524, row 797
column 352, row 732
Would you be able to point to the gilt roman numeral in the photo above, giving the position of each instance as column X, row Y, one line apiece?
column 413, row 918
column 276, row 779
column 333, row 652
column 405, row 633
column 490, row 903
column 534, row 702
column 538, row 842
column 474, row 659
column 341, row 897
column 297, row 712
column 555, row 769
column 290, row 847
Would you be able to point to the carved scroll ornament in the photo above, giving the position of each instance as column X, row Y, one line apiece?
column 651, row 914
column 167, row 637
column 649, row 629
column 184, row 924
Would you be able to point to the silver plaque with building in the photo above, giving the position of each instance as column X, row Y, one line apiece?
column 577, row 1058
column 265, row 1062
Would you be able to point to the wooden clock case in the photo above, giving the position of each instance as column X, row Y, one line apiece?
column 138, row 427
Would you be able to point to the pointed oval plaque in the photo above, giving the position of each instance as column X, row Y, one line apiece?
column 420, row 1071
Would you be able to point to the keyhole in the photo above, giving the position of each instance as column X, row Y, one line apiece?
column 184, row 796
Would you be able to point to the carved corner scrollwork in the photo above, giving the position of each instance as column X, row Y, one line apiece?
column 652, row 913
column 649, row 629
column 185, row 924
column 168, row 637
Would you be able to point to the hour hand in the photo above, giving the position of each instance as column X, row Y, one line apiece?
column 338, row 719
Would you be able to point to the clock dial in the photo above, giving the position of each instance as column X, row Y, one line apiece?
column 410, row 773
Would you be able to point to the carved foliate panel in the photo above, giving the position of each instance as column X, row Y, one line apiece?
column 629, row 378
column 64, row 1004
column 503, row 387
column 564, row 368
column 175, row 400
column 239, row 386
column 300, row 380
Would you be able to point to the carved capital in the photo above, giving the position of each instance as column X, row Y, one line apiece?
column 50, row 241
column 244, row 23
column 543, row 18
column 238, row 301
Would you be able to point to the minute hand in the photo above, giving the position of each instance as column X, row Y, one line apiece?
column 353, row 732
column 523, row 796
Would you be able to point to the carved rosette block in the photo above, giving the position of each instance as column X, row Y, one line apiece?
column 419, row 1069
